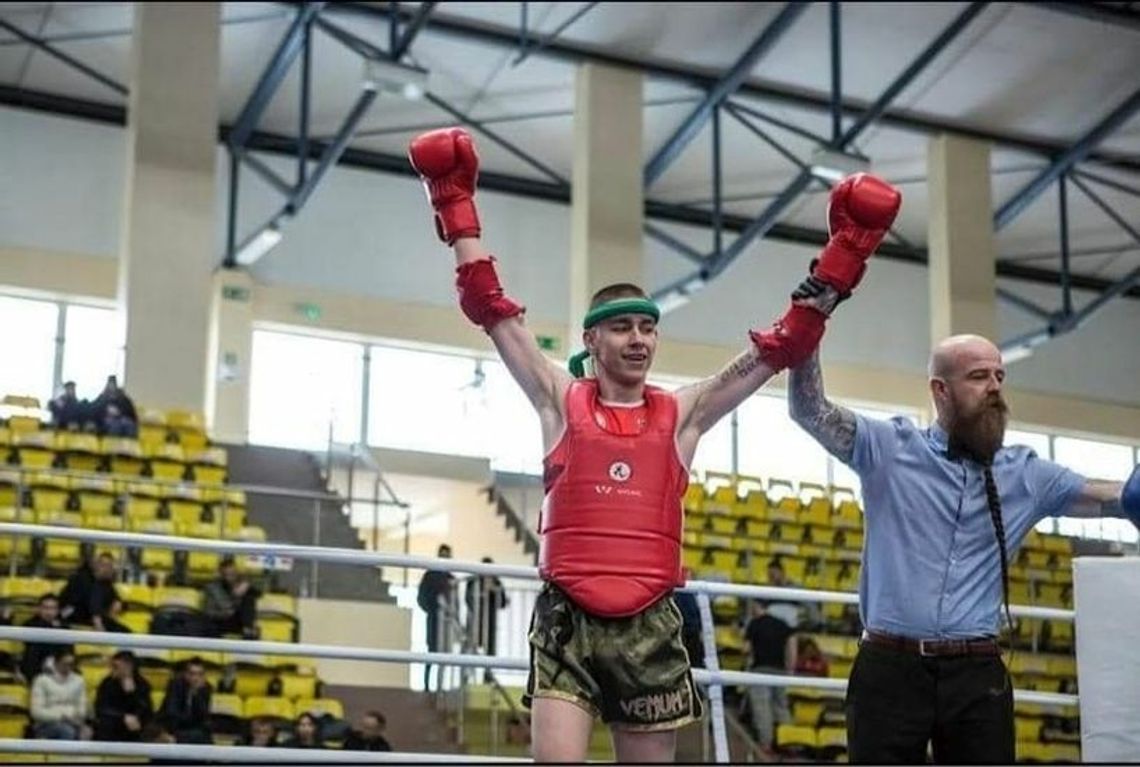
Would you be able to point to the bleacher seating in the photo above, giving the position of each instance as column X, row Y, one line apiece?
column 169, row 481
column 734, row 528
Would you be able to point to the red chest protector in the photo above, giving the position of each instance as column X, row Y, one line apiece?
column 611, row 519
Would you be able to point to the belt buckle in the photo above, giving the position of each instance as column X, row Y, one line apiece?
column 922, row 651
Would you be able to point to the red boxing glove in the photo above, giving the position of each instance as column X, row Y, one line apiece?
column 792, row 339
column 859, row 213
column 449, row 167
column 481, row 294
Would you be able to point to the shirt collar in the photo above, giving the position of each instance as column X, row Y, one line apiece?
column 938, row 438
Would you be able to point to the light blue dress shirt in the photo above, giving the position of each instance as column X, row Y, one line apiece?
column 931, row 567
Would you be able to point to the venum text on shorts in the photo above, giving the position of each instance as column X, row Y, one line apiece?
column 656, row 707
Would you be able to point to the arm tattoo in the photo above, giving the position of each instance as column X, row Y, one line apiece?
column 742, row 366
column 831, row 425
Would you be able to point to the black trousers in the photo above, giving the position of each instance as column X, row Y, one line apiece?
column 898, row 702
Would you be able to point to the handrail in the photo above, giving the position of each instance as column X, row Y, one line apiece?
column 359, row 557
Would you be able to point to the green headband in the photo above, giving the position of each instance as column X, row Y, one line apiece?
column 577, row 363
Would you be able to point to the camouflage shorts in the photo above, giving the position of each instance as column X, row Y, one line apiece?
column 632, row 672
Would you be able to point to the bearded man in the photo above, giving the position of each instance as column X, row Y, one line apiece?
column 945, row 508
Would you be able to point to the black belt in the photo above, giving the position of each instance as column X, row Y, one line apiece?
column 934, row 648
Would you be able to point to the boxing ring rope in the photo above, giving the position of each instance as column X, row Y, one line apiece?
column 713, row 677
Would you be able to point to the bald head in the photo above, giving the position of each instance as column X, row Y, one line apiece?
column 955, row 355
column 966, row 379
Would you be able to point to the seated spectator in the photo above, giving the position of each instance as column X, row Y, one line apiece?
column 111, row 620
column 306, row 733
column 35, row 653
column 810, row 660
column 90, row 595
column 370, row 735
column 262, row 733
column 114, row 412
column 185, row 712
column 122, row 703
column 230, row 602
column 59, row 700
column 67, row 411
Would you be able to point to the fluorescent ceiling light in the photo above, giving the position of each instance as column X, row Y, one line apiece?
column 831, row 165
column 674, row 299
column 1016, row 354
column 258, row 245
column 397, row 79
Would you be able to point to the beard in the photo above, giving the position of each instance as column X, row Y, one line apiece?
column 978, row 434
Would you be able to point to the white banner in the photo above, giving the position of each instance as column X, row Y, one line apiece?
column 1107, row 600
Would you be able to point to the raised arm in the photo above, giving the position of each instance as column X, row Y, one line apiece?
column 831, row 425
column 449, row 167
column 860, row 211
column 1105, row 498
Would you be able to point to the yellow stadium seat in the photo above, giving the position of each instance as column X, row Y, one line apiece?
column 211, row 475
column 849, row 539
column 277, row 604
column 13, row 697
column 847, row 514
column 223, row 704
column 12, row 725
column 786, row 532
column 831, row 737
column 690, row 557
column 1049, row 595
column 806, row 713
column 49, row 499
column 276, row 629
column 137, row 621
column 1061, row 665
column 277, row 708
column 1061, row 752
column 93, row 503
column 151, row 434
column 185, row 419
column 21, row 424
column 694, row 496
column 10, row 495
column 723, row 525
column 176, row 596
column 253, row 681
column 297, row 686
column 821, row 536
column 127, row 467
column 62, row 555
column 34, row 457
column 184, row 512
column 795, row 736
column 1027, row 729
column 251, row 533
column 1060, row 635
column 210, row 456
column 156, row 697
column 233, row 518
column 103, row 522
column 203, row 563
column 138, row 507
column 15, row 514
column 839, row 669
column 153, row 526
column 319, row 706
column 5, row 436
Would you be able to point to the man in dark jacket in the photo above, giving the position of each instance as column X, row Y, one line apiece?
column 436, row 585
column 122, row 704
column 230, row 602
column 90, row 595
column 370, row 735
column 185, row 710
column 67, row 412
column 35, row 653
column 114, row 412
column 485, row 596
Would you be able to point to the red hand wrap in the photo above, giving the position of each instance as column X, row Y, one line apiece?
column 481, row 295
column 791, row 339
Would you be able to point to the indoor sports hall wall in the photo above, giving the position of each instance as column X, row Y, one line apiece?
column 366, row 237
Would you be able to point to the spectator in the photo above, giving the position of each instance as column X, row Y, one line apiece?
column 306, row 734
column 123, row 706
column 185, row 711
column 485, row 596
column 67, row 411
column 230, row 602
column 370, row 735
column 770, row 644
column 59, row 700
column 228, row 683
column 690, row 624
column 262, row 733
column 35, row 653
column 810, row 660
column 435, row 587
column 90, row 595
column 113, row 411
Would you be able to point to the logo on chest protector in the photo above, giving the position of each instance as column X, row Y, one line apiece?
column 620, row 471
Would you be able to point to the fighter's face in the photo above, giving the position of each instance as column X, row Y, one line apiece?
column 623, row 347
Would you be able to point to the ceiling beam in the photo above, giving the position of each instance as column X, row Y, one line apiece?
column 704, row 78
column 113, row 114
column 1112, row 14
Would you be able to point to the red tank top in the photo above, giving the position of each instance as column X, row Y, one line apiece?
column 611, row 519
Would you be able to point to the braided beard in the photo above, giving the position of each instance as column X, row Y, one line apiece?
column 979, row 434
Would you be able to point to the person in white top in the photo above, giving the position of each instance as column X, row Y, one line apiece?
column 59, row 700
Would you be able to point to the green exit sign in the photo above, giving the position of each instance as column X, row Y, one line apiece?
column 311, row 312
column 235, row 293
column 547, row 343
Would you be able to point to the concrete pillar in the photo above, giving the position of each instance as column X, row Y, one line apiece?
column 170, row 219
column 231, row 348
column 961, row 239
column 607, row 201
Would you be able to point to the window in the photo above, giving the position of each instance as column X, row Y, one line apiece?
column 517, row 434
column 28, row 344
column 427, row 401
column 298, row 385
column 772, row 445
column 1096, row 460
column 93, row 348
